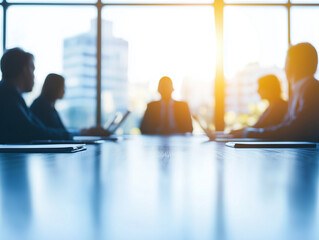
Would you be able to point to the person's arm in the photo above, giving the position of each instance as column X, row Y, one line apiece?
column 94, row 131
column 298, row 127
column 264, row 119
column 46, row 113
column 24, row 127
column 146, row 122
column 274, row 115
column 188, row 119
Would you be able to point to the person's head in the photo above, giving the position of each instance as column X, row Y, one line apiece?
column 53, row 87
column 269, row 87
column 165, row 88
column 17, row 66
column 301, row 62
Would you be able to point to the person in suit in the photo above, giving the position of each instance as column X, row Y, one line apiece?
column 269, row 89
column 43, row 107
column 301, row 120
column 17, row 123
column 167, row 116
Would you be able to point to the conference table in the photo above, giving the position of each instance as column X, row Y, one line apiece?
column 151, row 187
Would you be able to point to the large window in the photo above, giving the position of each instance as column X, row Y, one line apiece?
column 255, row 45
column 113, row 53
column 63, row 42
column 305, row 25
column 149, row 43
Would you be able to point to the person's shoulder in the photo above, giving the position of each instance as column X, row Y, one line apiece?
column 316, row 82
column 3, row 94
column 40, row 102
column 311, row 87
column 153, row 103
column 181, row 103
column 280, row 106
column 35, row 102
column 312, row 83
column 282, row 102
column 4, row 87
column 7, row 91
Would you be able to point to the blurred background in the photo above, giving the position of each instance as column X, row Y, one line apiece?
column 207, row 48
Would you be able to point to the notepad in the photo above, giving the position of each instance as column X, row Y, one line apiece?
column 42, row 148
column 225, row 140
column 84, row 141
column 78, row 140
column 271, row 144
column 95, row 138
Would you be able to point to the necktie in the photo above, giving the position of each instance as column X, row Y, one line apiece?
column 166, row 126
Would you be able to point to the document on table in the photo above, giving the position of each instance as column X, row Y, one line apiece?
column 271, row 144
column 41, row 148
column 87, row 141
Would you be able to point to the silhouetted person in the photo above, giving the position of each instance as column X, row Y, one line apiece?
column 44, row 106
column 269, row 89
column 166, row 116
column 302, row 119
column 17, row 122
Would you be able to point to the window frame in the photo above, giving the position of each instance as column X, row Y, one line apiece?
column 218, row 6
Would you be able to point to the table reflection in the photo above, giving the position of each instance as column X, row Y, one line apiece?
column 16, row 196
column 302, row 195
column 160, row 188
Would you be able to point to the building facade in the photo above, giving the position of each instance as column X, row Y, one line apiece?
column 79, row 67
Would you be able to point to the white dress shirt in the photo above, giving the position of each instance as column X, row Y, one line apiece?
column 296, row 89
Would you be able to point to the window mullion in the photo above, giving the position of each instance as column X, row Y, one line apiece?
column 219, row 79
column 98, row 63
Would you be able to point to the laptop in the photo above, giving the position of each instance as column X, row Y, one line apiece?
column 220, row 136
column 116, row 122
column 110, row 126
column 213, row 135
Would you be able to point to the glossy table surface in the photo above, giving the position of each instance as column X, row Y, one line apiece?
column 161, row 188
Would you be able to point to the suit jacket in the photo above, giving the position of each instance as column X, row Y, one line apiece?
column 303, row 124
column 17, row 123
column 273, row 115
column 46, row 112
column 152, row 120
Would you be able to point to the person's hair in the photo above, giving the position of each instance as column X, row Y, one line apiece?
column 304, row 57
column 52, row 85
column 13, row 61
column 271, row 84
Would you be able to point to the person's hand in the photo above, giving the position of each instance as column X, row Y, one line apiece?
column 252, row 132
column 237, row 133
column 210, row 134
column 95, row 131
